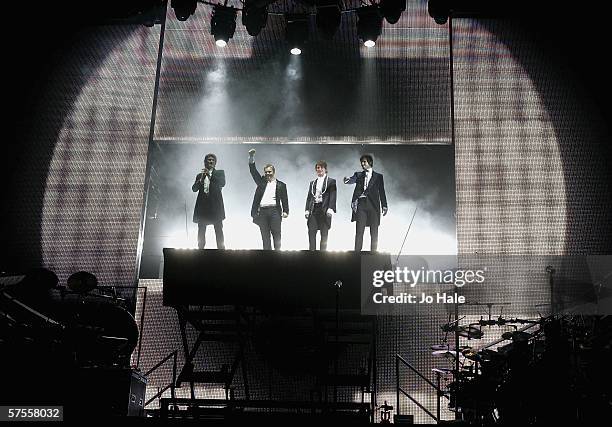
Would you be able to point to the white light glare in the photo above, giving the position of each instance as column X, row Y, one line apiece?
column 221, row 43
column 296, row 51
column 369, row 43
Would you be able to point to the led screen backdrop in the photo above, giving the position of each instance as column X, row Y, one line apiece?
column 417, row 177
column 337, row 90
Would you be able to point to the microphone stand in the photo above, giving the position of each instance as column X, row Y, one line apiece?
column 337, row 285
column 406, row 235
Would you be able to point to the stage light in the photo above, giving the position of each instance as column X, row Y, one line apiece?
column 392, row 9
column 328, row 17
column 369, row 24
column 296, row 32
column 223, row 24
column 439, row 10
column 183, row 9
column 254, row 18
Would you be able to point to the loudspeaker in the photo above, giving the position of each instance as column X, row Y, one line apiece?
column 106, row 392
column 138, row 389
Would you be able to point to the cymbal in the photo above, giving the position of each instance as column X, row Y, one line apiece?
column 485, row 355
column 470, row 353
column 516, row 336
column 488, row 354
column 445, row 352
column 443, row 371
column 447, row 346
column 470, row 332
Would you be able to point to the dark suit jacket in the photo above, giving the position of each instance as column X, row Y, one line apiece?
column 282, row 201
column 209, row 207
column 329, row 197
column 375, row 192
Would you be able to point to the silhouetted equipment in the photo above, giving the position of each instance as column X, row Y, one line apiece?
column 385, row 413
column 296, row 32
column 255, row 16
column 39, row 279
column 392, row 9
column 68, row 346
column 369, row 24
column 441, row 10
column 328, row 17
column 92, row 326
column 502, row 382
column 223, row 24
column 467, row 331
column 183, row 9
column 82, row 282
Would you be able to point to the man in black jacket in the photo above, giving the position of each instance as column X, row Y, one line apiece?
column 270, row 203
column 209, row 208
column 368, row 199
column 320, row 206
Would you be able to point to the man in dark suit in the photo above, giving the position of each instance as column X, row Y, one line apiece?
column 209, row 208
column 320, row 206
column 368, row 199
column 270, row 203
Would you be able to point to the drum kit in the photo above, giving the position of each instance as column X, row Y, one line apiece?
column 91, row 323
column 478, row 372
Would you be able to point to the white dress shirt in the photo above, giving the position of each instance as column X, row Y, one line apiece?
column 366, row 182
column 318, row 198
column 368, row 177
column 269, row 196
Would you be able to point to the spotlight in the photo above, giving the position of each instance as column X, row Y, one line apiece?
column 254, row 18
column 296, row 32
column 223, row 24
column 369, row 24
column 183, row 9
column 439, row 10
column 328, row 17
column 392, row 9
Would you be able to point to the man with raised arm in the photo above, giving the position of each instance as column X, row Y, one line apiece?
column 270, row 203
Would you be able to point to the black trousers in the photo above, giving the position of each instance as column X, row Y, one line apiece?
column 218, row 234
column 366, row 212
column 269, row 222
column 317, row 221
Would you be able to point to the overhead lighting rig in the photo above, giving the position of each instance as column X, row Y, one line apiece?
column 392, row 9
column 255, row 16
column 369, row 24
column 296, row 32
column 328, row 17
column 183, row 9
column 223, row 24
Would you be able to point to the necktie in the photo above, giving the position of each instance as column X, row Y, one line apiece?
column 206, row 184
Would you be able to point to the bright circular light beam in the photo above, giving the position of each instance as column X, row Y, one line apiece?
column 296, row 51
column 369, row 43
column 221, row 43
